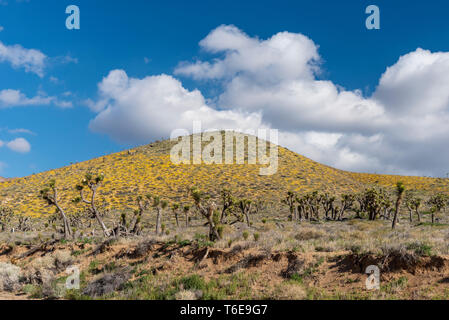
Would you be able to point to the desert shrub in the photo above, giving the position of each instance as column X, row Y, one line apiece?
column 9, row 277
column 245, row 235
column 421, row 249
column 193, row 282
column 308, row 234
column 220, row 230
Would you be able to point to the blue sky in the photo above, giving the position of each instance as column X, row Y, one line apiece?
column 146, row 39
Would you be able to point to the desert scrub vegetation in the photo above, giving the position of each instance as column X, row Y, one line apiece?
column 307, row 260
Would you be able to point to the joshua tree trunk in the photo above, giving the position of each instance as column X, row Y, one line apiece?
column 396, row 211
column 98, row 216
column 213, row 233
column 67, row 229
column 177, row 219
column 95, row 212
column 410, row 212
column 158, row 221
column 136, row 223
column 247, row 219
column 136, row 228
column 418, row 215
column 106, row 232
column 299, row 213
column 187, row 219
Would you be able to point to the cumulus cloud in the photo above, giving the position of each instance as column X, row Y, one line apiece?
column 274, row 83
column 15, row 98
column 284, row 56
column 137, row 110
column 19, row 145
column 31, row 60
column 277, row 77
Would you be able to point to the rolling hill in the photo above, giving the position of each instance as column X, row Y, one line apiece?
column 148, row 169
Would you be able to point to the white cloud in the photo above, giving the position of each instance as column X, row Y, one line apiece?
column 418, row 83
column 285, row 55
column 21, row 130
column 277, row 77
column 31, row 60
column 402, row 128
column 131, row 110
column 1, row 28
column 19, row 145
column 14, row 98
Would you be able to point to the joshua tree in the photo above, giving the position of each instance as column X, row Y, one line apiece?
column 373, row 201
column 123, row 226
column 416, row 203
column 300, row 208
column 186, row 210
column 413, row 203
column 290, row 200
column 6, row 215
column 314, row 200
column 437, row 203
column 160, row 206
column 50, row 195
column 386, row 204
column 245, row 207
column 175, row 208
column 206, row 207
column 93, row 183
column 328, row 204
column 24, row 223
column 227, row 202
column 347, row 201
column 361, row 200
column 400, row 188
column 143, row 205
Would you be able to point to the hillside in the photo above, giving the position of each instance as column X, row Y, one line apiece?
column 148, row 169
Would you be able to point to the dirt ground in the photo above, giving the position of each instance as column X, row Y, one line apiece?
column 243, row 271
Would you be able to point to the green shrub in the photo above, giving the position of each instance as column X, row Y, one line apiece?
column 193, row 282
column 220, row 230
column 421, row 249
